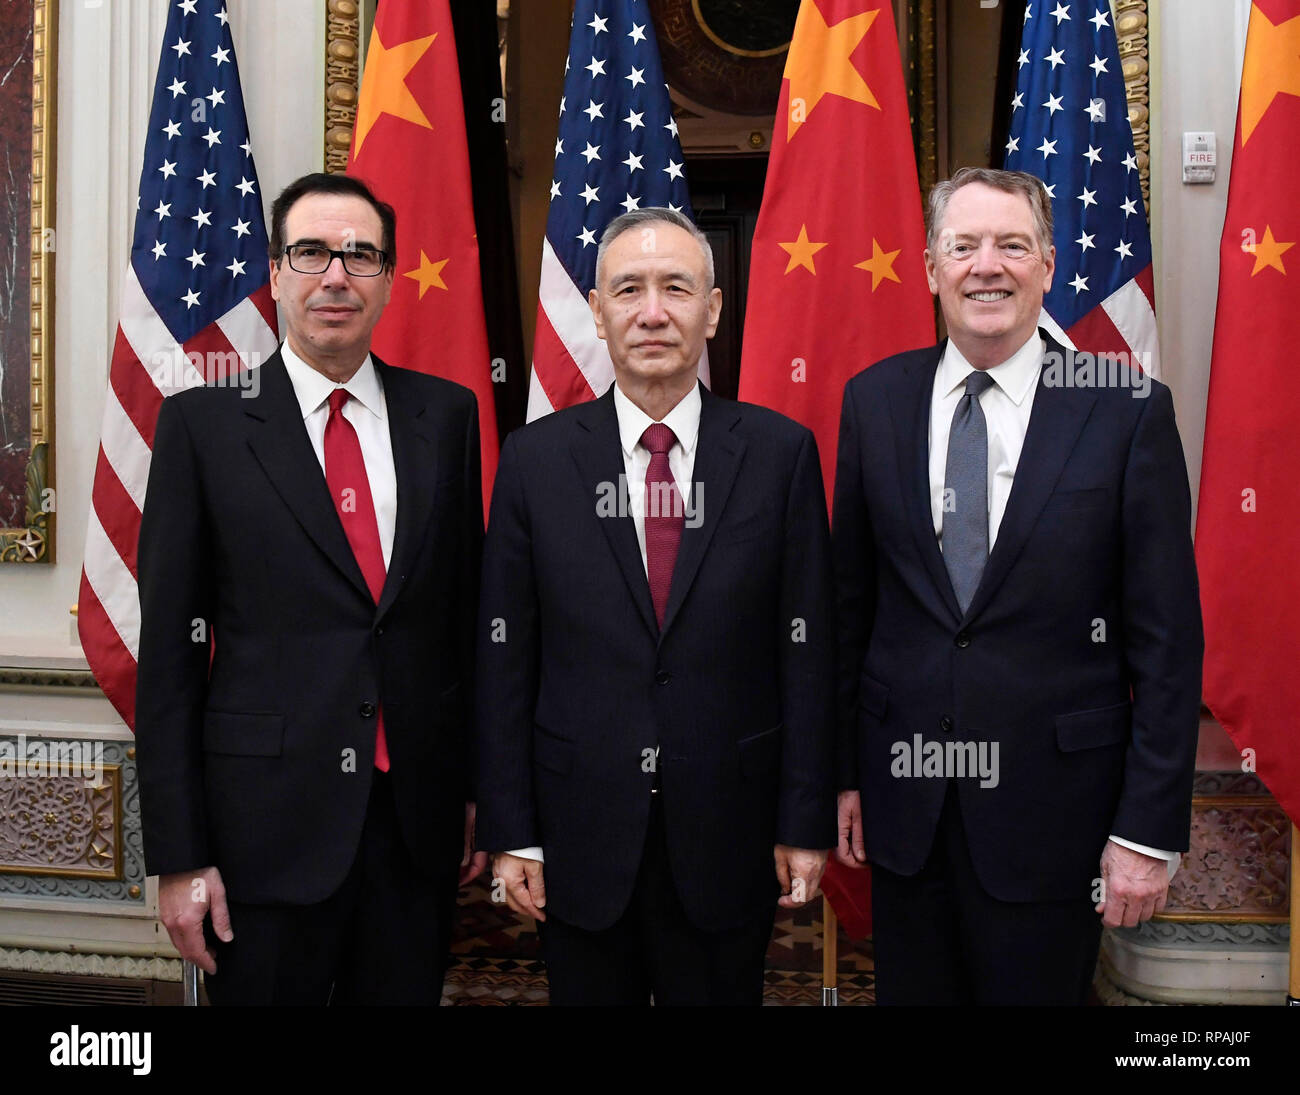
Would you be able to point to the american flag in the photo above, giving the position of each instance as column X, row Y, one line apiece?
column 617, row 150
column 1069, row 126
column 195, row 306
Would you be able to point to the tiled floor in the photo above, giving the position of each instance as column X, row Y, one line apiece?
column 495, row 961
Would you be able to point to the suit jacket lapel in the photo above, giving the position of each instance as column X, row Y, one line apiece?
column 598, row 453
column 279, row 441
column 911, row 402
column 718, row 453
column 1054, row 426
column 415, row 461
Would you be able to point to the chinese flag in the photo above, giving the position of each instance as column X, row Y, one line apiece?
column 836, row 276
column 409, row 145
column 1248, row 519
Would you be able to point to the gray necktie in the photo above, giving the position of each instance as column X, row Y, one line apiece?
column 965, row 493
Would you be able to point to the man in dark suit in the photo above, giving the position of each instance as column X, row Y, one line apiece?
column 309, row 561
column 1019, row 627
column 655, row 713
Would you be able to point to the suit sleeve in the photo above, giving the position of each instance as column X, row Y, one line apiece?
column 176, row 604
column 471, row 563
column 855, row 589
column 1163, row 642
column 508, row 655
column 806, row 808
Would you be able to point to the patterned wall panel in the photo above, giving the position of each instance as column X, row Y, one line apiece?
column 1238, row 863
column 62, row 836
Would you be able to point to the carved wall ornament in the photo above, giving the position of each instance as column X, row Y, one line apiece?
column 342, row 87
column 57, row 825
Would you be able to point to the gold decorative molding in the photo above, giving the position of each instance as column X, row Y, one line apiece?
column 34, row 543
column 927, row 103
column 57, row 825
column 64, row 681
column 1133, row 31
column 342, row 67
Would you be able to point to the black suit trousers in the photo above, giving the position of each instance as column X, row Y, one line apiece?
column 940, row 938
column 380, row 938
column 654, row 950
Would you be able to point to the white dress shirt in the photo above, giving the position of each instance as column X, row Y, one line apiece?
column 684, row 421
column 1006, row 404
column 368, row 413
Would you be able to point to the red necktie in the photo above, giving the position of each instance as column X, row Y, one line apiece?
column 664, row 516
column 345, row 473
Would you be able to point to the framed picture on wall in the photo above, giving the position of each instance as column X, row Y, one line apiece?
column 27, row 115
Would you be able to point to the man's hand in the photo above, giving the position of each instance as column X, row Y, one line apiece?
column 183, row 901
column 472, row 863
column 851, row 851
column 799, row 870
column 525, row 890
column 1134, row 886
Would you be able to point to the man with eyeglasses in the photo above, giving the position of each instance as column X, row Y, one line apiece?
column 308, row 568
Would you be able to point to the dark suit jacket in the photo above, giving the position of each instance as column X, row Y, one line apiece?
column 577, row 684
column 245, row 765
column 1095, row 737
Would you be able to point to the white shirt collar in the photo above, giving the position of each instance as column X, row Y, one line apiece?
column 1015, row 376
column 683, row 420
column 313, row 388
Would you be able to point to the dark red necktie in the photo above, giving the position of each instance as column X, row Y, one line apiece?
column 664, row 516
column 345, row 473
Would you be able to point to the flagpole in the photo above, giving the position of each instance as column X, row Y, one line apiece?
column 1293, row 996
column 830, row 949
column 189, row 984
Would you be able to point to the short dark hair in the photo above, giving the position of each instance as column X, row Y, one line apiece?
column 320, row 183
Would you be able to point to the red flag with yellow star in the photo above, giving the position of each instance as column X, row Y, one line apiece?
column 409, row 146
column 1248, row 518
column 836, row 279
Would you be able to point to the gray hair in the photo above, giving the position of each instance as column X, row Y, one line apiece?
column 1030, row 187
column 653, row 214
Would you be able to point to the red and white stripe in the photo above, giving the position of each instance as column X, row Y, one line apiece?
column 571, row 363
column 1123, row 323
column 148, row 365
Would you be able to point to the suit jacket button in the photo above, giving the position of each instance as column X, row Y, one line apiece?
column 663, row 677
column 367, row 710
column 962, row 640
column 379, row 630
column 945, row 724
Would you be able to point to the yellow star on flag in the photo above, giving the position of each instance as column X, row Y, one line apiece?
column 429, row 275
column 801, row 251
column 881, row 265
column 818, row 63
column 383, row 85
column 1269, row 252
column 1272, row 67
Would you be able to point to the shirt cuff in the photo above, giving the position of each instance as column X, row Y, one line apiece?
column 536, row 853
column 1173, row 859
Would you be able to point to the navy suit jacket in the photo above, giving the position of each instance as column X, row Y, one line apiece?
column 256, row 731
column 1080, row 654
column 578, row 686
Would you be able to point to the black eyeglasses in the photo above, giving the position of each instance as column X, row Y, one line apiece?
column 360, row 262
